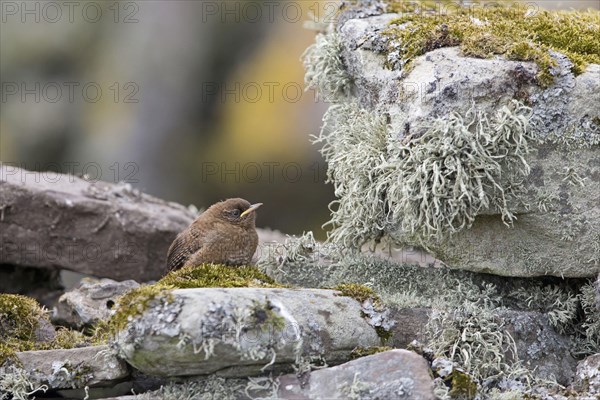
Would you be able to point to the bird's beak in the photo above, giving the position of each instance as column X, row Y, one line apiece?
column 253, row 207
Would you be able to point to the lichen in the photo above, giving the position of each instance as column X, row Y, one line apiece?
column 325, row 70
column 591, row 324
column 486, row 31
column 461, row 166
column 354, row 146
column 208, row 388
column 423, row 188
column 559, row 304
column 15, row 384
column 465, row 309
column 355, row 390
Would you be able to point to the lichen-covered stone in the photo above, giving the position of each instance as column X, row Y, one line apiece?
column 72, row 368
column 471, row 158
column 243, row 331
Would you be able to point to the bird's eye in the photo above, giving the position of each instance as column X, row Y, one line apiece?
column 235, row 213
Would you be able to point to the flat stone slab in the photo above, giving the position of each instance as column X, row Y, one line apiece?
column 243, row 331
column 394, row 374
column 73, row 368
column 59, row 221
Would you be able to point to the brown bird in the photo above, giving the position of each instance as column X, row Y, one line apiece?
column 223, row 234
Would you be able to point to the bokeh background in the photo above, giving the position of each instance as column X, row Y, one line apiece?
column 191, row 101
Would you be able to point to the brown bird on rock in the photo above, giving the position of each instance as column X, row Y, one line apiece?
column 223, row 234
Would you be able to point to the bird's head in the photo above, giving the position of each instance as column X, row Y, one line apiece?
column 235, row 211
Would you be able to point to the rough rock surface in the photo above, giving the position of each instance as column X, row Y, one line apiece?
column 394, row 374
column 587, row 377
column 73, row 368
column 91, row 302
column 557, row 234
column 539, row 347
column 239, row 332
column 63, row 222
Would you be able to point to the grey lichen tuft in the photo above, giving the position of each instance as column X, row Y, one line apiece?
column 461, row 166
column 470, row 334
column 354, row 145
column 591, row 324
column 423, row 188
column 209, row 388
column 16, row 384
column 325, row 69
column 559, row 304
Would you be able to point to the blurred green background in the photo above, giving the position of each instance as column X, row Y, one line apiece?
column 191, row 101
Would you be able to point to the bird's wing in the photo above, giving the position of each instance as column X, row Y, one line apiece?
column 181, row 249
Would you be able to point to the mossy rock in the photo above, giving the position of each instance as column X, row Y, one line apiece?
column 136, row 301
column 513, row 31
column 24, row 326
column 471, row 155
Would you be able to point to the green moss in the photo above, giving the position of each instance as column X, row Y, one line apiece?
column 19, row 317
column 484, row 32
column 463, row 386
column 136, row 301
column 19, row 321
column 361, row 293
column 69, row 339
column 210, row 275
column 359, row 352
column 384, row 334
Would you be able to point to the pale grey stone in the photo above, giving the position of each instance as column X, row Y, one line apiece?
column 394, row 374
column 73, row 368
column 243, row 331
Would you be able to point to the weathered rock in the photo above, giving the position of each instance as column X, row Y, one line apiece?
column 556, row 234
column 91, row 302
column 394, row 374
column 539, row 347
column 587, row 377
column 108, row 230
column 243, row 331
column 411, row 324
column 73, row 368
